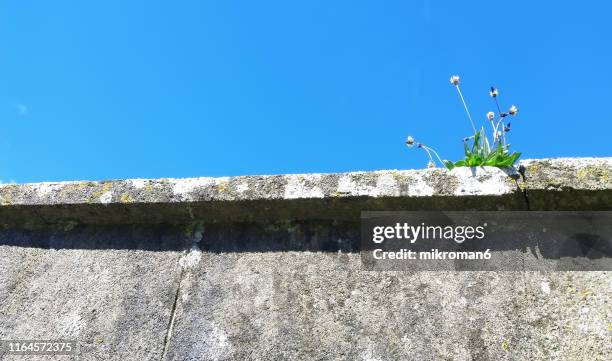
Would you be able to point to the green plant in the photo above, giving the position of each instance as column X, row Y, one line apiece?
column 481, row 152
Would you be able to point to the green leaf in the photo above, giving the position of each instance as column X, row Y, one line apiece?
column 465, row 148
column 499, row 157
column 474, row 161
column 486, row 149
column 493, row 155
column 491, row 162
column 514, row 157
column 506, row 160
column 476, row 144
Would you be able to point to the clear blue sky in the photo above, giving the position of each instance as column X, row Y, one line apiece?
column 118, row 89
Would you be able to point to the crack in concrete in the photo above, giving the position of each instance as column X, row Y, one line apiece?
column 170, row 326
column 190, row 258
column 522, row 171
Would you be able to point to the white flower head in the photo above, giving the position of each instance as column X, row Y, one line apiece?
column 494, row 92
column 409, row 141
column 490, row 116
column 454, row 80
column 513, row 110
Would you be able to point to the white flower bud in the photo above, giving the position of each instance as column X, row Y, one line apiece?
column 454, row 80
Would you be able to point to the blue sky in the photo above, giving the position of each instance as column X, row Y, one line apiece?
column 124, row 89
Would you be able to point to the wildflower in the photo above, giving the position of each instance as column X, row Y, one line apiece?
column 454, row 80
column 410, row 141
column 481, row 152
column 513, row 110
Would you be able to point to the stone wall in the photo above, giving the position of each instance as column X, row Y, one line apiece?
column 267, row 268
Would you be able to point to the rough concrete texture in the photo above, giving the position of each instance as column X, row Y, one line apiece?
column 266, row 268
column 547, row 174
column 559, row 184
column 75, row 286
column 309, row 306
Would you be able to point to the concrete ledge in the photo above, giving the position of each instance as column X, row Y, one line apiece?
column 564, row 183
column 266, row 268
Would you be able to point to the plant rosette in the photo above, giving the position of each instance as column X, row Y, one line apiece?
column 482, row 152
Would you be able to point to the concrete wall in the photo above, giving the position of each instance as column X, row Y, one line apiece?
column 267, row 268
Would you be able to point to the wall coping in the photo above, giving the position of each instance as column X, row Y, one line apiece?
column 384, row 189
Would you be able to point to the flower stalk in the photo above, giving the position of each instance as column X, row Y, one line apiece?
column 481, row 152
column 455, row 81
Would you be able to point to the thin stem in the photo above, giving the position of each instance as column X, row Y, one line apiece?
column 503, row 131
column 494, row 131
column 495, row 128
column 466, row 108
column 496, row 103
column 500, row 120
column 436, row 153
column 428, row 154
column 503, row 137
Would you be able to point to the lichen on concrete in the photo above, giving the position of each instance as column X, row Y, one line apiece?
column 582, row 183
column 267, row 268
column 580, row 174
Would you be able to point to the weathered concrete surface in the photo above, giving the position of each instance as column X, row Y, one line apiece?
column 312, row 306
column 571, row 183
column 558, row 174
column 265, row 268
column 568, row 183
column 116, row 303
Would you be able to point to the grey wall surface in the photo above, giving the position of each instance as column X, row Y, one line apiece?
column 267, row 268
